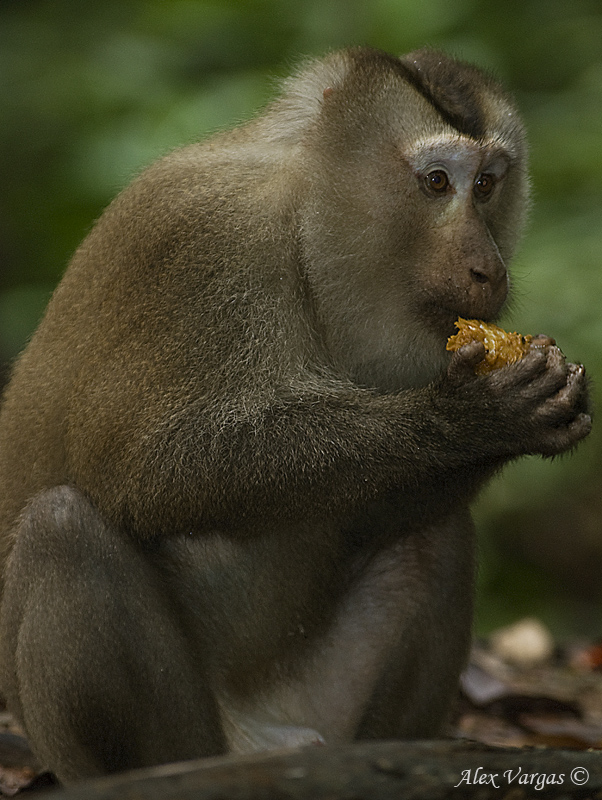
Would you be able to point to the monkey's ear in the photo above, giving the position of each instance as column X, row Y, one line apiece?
column 327, row 92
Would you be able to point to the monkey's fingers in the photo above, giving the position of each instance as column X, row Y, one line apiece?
column 559, row 440
column 463, row 361
column 557, row 371
column 569, row 402
column 527, row 372
column 578, row 376
column 542, row 340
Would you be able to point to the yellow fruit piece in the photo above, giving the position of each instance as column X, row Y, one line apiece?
column 501, row 347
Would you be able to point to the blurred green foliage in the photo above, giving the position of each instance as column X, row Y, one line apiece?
column 90, row 93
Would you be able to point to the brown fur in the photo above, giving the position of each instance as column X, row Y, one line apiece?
column 235, row 459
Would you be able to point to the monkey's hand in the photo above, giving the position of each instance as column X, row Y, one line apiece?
column 538, row 405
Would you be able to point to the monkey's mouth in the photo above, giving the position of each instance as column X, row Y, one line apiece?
column 444, row 317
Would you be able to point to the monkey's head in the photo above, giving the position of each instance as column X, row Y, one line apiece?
column 417, row 196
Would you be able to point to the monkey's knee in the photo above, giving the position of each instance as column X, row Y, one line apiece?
column 58, row 577
column 92, row 660
column 42, row 553
column 58, row 528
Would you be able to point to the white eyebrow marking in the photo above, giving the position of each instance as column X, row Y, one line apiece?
column 422, row 150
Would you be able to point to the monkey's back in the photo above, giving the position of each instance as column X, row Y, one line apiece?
column 152, row 314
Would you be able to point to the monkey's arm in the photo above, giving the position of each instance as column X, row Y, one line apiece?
column 331, row 451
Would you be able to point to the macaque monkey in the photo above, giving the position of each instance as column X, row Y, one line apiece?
column 236, row 458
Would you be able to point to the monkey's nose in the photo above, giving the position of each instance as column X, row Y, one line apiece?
column 493, row 274
column 488, row 286
column 479, row 276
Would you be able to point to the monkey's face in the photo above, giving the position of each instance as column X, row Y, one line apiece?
column 455, row 262
column 417, row 198
column 417, row 237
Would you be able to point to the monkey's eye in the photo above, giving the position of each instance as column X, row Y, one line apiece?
column 484, row 185
column 437, row 181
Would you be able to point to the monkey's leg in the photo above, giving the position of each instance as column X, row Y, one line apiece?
column 416, row 691
column 93, row 661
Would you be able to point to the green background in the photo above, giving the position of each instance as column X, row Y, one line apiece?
column 92, row 92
